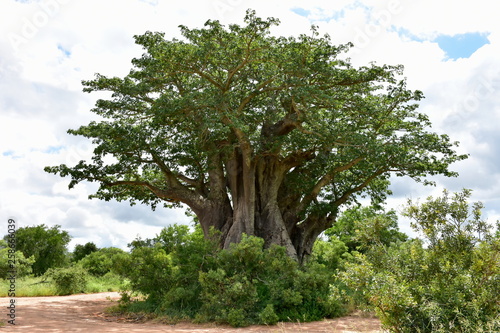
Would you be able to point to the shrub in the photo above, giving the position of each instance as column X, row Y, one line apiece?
column 185, row 275
column 102, row 261
column 23, row 265
column 68, row 281
column 266, row 285
column 167, row 270
column 329, row 253
column 268, row 316
column 452, row 285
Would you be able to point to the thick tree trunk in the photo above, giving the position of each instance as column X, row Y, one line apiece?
column 217, row 215
column 305, row 234
column 252, row 207
column 241, row 181
column 269, row 223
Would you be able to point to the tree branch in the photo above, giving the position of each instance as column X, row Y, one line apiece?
column 358, row 188
column 325, row 180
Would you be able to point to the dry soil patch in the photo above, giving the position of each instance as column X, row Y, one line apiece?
column 84, row 313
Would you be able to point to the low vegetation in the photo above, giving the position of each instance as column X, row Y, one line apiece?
column 185, row 276
column 30, row 286
column 448, row 280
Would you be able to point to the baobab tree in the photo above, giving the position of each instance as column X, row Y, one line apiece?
column 257, row 134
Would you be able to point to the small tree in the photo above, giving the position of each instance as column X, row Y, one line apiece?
column 449, row 221
column 23, row 265
column 46, row 245
column 102, row 261
column 81, row 251
column 361, row 227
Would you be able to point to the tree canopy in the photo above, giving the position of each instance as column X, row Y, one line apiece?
column 81, row 251
column 257, row 134
column 47, row 246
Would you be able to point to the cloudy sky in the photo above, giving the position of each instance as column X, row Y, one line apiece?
column 450, row 50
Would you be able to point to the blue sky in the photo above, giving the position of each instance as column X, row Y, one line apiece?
column 461, row 45
column 47, row 47
column 456, row 46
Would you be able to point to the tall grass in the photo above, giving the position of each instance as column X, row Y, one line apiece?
column 29, row 287
column 108, row 282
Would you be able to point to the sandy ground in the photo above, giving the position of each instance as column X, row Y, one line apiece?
column 84, row 313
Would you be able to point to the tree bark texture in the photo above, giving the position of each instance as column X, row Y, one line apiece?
column 258, row 204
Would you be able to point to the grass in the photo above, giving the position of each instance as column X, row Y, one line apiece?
column 29, row 287
column 106, row 283
column 39, row 286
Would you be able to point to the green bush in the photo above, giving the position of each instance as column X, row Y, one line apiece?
column 185, row 275
column 268, row 316
column 102, row 261
column 329, row 253
column 70, row 280
column 450, row 285
column 22, row 265
column 167, row 270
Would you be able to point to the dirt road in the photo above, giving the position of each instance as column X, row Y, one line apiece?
column 84, row 313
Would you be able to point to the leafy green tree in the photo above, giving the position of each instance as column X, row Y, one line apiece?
column 47, row 245
column 360, row 227
column 102, row 261
column 82, row 251
column 22, row 265
column 257, row 134
column 139, row 242
column 450, row 221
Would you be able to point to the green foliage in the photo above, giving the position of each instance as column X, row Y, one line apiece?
column 46, row 245
column 198, row 117
column 450, row 223
column 329, row 253
column 268, row 316
column 360, row 228
column 452, row 285
column 149, row 271
column 82, row 251
column 68, row 281
column 264, row 283
column 10, row 258
column 166, row 271
column 185, row 275
column 102, row 261
column 108, row 282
